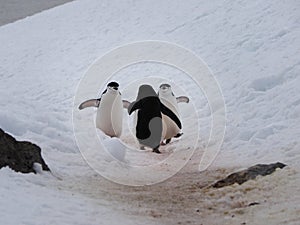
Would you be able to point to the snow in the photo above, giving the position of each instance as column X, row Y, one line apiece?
column 31, row 200
column 252, row 47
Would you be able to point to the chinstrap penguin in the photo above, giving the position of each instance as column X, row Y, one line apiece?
column 110, row 106
column 149, row 125
column 167, row 97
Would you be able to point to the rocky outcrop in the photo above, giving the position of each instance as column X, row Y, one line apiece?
column 19, row 155
column 248, row 174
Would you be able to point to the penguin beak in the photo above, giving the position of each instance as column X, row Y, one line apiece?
column 113, row 88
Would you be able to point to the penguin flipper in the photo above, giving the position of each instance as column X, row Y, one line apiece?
column 90, row 103
column 126, row 104
column 182, row 99
column 165, row 110
column 134, row 106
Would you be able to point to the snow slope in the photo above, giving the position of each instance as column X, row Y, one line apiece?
column 252, row 47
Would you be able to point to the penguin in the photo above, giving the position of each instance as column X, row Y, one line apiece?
column 167, row 97
column 149, row 124
column 109, row 116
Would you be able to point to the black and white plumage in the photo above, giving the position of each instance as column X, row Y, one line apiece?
column 109, row 116
column 149, row 125
column 167, row 97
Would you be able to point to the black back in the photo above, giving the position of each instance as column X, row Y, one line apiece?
column 149, row 121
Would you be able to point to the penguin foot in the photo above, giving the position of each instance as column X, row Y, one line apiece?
column 168, row 141
column 165, row 143
column 156, row 150
column 178, row 135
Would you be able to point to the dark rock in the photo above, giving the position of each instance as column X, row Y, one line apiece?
column 253, row 203
column 248, row 174
column 19, row 155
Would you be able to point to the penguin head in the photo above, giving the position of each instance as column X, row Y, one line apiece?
column 113, row 86
column 145, row 91
column 165, row 89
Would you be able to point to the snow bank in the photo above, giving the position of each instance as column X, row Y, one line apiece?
column 251, row 47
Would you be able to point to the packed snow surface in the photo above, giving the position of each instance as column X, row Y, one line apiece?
column 253, row 50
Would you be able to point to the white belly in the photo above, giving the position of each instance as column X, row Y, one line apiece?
column 110, row 115
column 170, row 129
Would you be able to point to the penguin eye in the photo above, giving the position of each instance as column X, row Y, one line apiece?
column 165, row 86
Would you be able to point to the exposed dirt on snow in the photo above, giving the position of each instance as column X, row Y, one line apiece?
column 188, row 198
